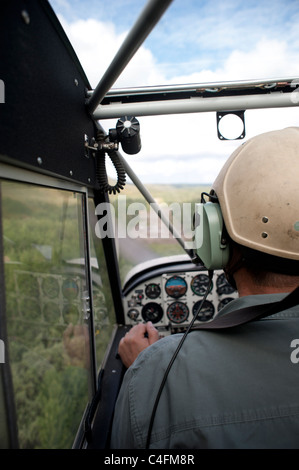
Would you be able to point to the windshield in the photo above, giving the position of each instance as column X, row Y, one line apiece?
column 49, row 330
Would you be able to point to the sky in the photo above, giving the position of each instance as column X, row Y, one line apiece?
column 194, row 42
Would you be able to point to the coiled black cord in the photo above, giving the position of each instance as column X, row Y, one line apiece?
column 102, row 173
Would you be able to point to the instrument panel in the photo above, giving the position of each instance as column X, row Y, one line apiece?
column 171, row 300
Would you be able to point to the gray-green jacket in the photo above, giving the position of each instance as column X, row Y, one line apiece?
column 237, row 388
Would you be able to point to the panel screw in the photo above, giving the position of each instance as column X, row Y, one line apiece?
column 264, row 235
column 265, row 220
column 25, row 16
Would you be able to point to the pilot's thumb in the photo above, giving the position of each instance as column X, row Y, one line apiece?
column 153, row 334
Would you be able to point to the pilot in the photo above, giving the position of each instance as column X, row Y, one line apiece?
column 237, row 387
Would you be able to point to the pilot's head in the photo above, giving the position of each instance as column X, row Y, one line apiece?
column 258, row 193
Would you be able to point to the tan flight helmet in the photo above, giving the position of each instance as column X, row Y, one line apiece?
column 258, row 192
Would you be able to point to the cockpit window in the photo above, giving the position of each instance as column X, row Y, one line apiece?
column 47, row 311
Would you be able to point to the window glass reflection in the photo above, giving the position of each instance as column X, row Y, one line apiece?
column 47, row 324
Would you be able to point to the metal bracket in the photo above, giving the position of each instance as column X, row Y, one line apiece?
column 95, row 146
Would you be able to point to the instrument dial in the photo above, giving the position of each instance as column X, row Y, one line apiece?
column 176, row 287
column 152, row 291
column 177, row 312
column 152, row 312
column 207, row 311
column 199, row 284
column 223, row 286
column 133, row 314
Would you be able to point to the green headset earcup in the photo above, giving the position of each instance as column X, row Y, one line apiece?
column 209, row 245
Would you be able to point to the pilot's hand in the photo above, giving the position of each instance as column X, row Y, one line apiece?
column 138, row 338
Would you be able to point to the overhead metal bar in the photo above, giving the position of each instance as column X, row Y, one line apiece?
column 148, row 18
column 197, row 105
column 213, row 87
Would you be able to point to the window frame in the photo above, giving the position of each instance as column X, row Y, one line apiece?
column 21, row 175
